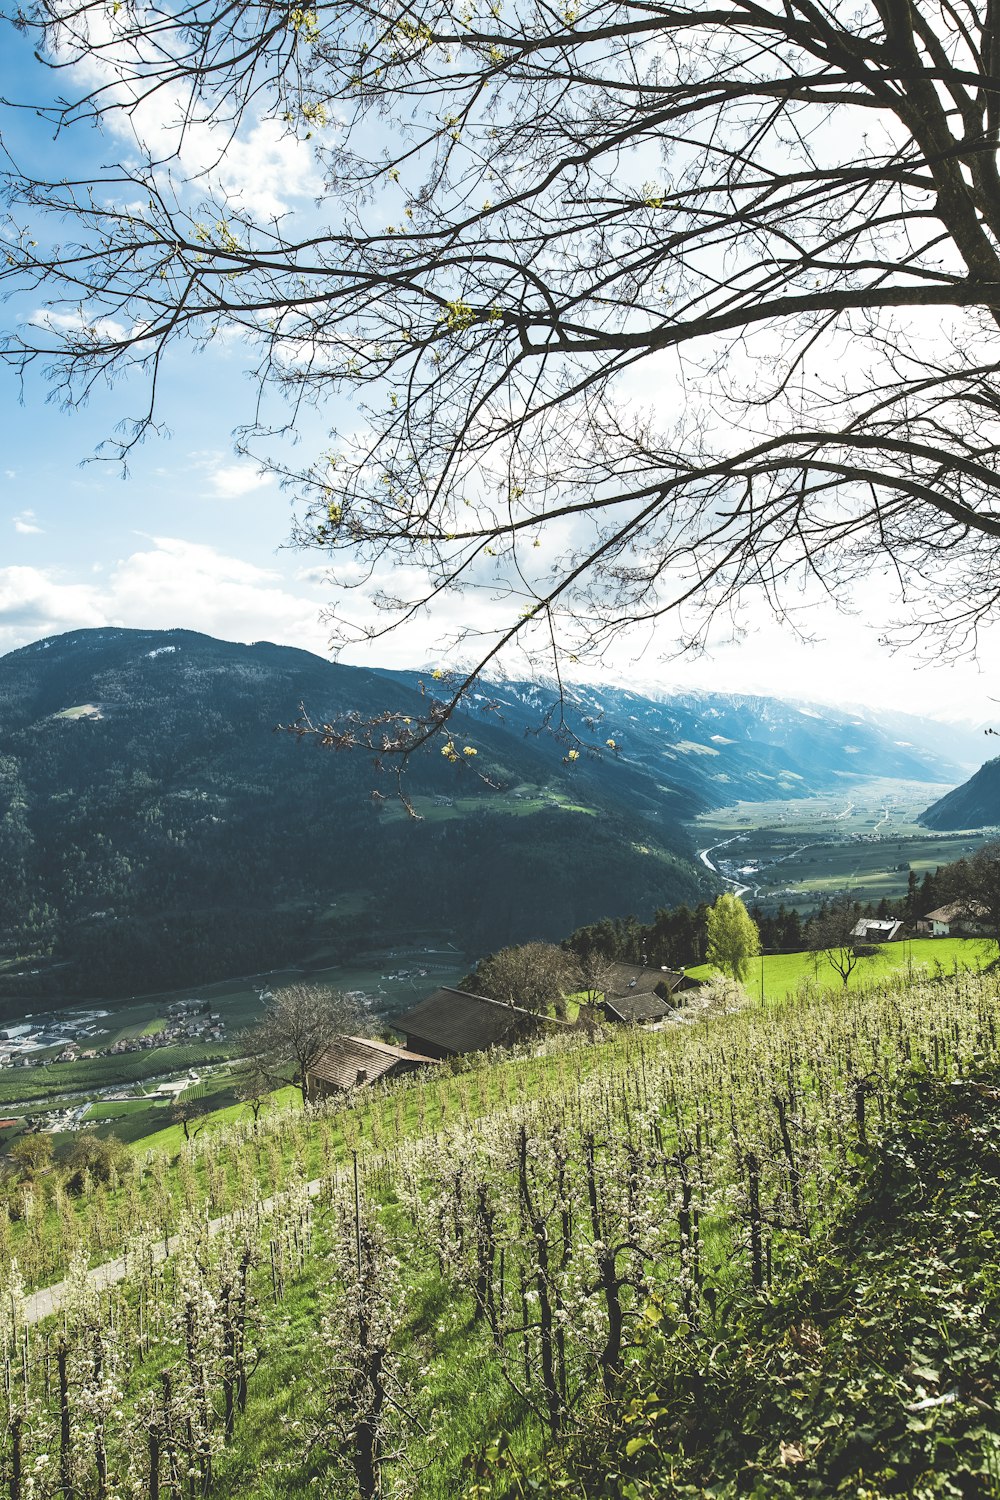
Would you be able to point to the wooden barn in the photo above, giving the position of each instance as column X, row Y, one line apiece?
column 640, row 994
column 451, row 1022
column 627, row 979
column 350, row 1061
column 640, row 1005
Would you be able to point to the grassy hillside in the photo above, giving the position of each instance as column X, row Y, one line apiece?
column 540, row 1247
column 784, row 974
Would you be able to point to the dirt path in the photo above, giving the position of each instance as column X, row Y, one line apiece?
column 49, row 1300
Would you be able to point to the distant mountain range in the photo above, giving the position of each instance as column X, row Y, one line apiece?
column 155, row 831
column 694, row 751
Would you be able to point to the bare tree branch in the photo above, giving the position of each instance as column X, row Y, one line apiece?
column 780, row 221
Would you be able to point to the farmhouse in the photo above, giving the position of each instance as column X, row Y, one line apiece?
column 451, row 1022
column 350, row 1061
column 637, row 993
column 638, row 1006
column 628, row 979
column 960, row 919
column 877, row 930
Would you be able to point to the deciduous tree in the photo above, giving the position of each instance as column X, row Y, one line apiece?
column 733, row 939
column 534, row 976
column 782, row 219
column 298, row 1024
column 831, row 936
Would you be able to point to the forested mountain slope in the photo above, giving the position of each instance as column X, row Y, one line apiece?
column 155, row 830
column 974, row 804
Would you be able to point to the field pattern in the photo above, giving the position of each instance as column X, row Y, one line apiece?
column 863, row 838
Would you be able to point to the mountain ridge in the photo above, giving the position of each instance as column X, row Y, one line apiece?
column 974, row 804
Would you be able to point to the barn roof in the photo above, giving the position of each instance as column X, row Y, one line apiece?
column 637, row 1006
column 350, row 1060
column 970, row 910
column 631, row 979
column 460, row 1022
column 884, row 927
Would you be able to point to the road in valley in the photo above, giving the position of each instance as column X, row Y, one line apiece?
column 703, row 855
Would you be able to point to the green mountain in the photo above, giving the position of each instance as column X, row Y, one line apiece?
column 155, row 831
column 974, row 804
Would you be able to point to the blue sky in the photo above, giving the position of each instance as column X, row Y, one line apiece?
column 195, row 535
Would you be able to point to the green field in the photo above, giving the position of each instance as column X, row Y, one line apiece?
column 781, row 975
column 519, row 802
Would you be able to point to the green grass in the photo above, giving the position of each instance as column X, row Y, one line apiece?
column 80, row 711
column 784, row 973
column 170, row 1138
column 462, row 807
column 117, row 1109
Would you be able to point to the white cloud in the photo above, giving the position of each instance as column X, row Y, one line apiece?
column 167, row 584
column 26, row 525
column 263, row 169
column 34, row 603
column 230, row 481
column 260, row 169
column 77, row 322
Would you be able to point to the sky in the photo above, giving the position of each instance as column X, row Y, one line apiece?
column 196, row 536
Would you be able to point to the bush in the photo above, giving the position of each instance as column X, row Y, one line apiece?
column 97, row 1158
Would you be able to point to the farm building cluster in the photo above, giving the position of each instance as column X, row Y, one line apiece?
column 451, row 1022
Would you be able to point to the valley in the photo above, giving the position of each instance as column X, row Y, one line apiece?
column 863, row 838
column 158, row 839
column 170, row 865
column 130, row 1086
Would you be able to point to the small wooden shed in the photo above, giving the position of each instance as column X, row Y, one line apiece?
column 351, row 1061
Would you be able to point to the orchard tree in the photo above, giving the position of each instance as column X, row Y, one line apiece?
column 253, row 1085
column 32, row 1153
column 96, row 1158
column 523, row 221
column 186, row 1110
column 733, row 939
column 298, row 1024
